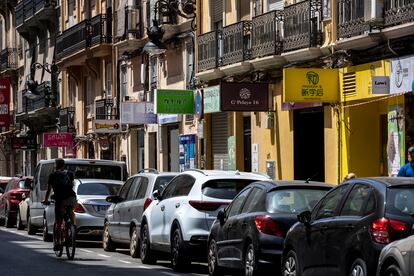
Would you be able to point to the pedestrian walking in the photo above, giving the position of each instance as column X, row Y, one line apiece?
column 408, row 169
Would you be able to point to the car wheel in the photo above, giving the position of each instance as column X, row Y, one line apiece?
column 291, row 264
column 358, row 268
column 7, row 220
column 393, row 270
column 250, row 262
column 31, row 229
column 134, row 243
column 147, row 255
column 46, row 236
column 19, row 224
column 213, row 268
column 107, row 243
column 179, row 259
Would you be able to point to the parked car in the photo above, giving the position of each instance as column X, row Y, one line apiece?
column 82, row 168
column 21, row 222
column 249, row 233
column 396, row 258
column 123, row 218
column 345, row 232
column 90, row 209
column 9, row 200
column 3, row 183
column 178, row 221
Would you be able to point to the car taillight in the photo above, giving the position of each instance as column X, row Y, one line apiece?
column 206, row 205
column 16, row 196
column 268, row 226
column 79, row 208
column 147, row 203
column 383, row 230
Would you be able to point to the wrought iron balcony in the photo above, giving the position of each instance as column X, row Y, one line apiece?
column 71, row 40
column 236, row 43
column 208, row 51
column 5, row 4
column 351, row 20
column 398, row 12
column 19, row 14
column 104, row 110
column 27, row 9
column 43, row 100
column 267, row 34
column 8, row 59
column 302, row 25
column 100, row 30
column 67, row 119
column 133, row 24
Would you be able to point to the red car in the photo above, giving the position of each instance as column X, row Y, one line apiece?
column 3, row 183
column 10, row 199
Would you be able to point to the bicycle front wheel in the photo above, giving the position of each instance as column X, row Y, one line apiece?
column 70, row 241
column 58, row 249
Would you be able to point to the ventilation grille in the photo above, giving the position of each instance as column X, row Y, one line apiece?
column 349, row 84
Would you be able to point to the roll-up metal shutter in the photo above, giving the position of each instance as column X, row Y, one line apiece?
column 216, row 10
column 275, row 5
column 219, row 135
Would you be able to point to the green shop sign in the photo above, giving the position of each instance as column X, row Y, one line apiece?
column 170, row 101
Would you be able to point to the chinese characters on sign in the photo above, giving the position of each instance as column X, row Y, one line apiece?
column 312, row 89
column 4, row 103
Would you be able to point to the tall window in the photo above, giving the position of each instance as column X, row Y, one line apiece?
column 90, row 93
column 71, row 92
column 189, row 64
column 108, row 82
column 124, row 81
column 216, row 14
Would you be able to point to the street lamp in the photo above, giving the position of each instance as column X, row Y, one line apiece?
column 32, row 85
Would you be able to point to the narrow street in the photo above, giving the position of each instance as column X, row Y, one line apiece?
column 21, row 253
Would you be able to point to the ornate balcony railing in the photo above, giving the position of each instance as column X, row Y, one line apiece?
column 398, row 12
column 19, row 14
column 67, row 119
column 133, row 23
column 267, row 34
column 71, row 40
column 101, row 31
column 236, row 43
column 302, row 25
column 41, row 4
column 104, row 110
column 28, row 8
column 8, row 59
column 208, row 51
column 351, row 20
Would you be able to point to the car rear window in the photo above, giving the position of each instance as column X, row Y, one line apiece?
column 225, row 188
column 293, row 200
column 95, row 171
column 98, row 189
column 162, row 182
column 400, row 201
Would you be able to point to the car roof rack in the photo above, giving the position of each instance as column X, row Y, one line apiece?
column 149, row 170
column 197, row 170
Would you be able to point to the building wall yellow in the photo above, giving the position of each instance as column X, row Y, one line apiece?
column 331, row 145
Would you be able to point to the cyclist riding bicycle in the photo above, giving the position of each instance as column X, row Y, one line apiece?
column 61, row 182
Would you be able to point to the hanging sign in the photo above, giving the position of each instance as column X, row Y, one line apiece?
column 170, row 101
column 4, row 102
column 402, row 75
column 244, row 96
column 211, row 99
column 24, row 143
column 138, row 113
column 106, row 126
column 55, row 140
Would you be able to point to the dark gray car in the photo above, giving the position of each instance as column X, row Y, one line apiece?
column 397, row 258
column 123, row 218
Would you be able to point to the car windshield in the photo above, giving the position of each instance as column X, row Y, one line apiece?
column 400, row 201
column 225, row 188
column 162, row 182
column 103, row 189
column 95, row 171
column 293, row 200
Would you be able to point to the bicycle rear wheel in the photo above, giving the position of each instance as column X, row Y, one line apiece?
column 70, row 241
column 58, row 252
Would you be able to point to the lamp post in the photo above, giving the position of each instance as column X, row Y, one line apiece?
column 54, row 71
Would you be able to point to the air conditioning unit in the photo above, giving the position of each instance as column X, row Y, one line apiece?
column 373, row 12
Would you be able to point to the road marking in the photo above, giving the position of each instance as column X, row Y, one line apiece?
column 105, row 256
column 170, row 273
column 85, row 250
column 125, row 262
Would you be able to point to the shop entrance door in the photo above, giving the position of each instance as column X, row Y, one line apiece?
column 173, row 149
column 309, row 149
column 247, row 135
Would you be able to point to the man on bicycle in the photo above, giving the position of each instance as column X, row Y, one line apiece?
column 61, row 182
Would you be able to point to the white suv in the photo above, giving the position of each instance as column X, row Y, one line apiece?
column 178, row 221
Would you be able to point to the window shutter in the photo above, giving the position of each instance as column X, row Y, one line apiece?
column 275, row 5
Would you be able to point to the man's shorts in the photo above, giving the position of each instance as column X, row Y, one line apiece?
column 63, row 205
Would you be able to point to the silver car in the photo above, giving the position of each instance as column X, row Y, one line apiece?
column 397, row 258
column 91, row 207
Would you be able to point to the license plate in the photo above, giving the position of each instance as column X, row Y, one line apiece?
column 101, row 208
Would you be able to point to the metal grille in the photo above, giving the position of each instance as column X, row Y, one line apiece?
column 302, row 26
column 207, row 51
column 351, row 20
column 71, row 40
column 104, row 110
column 398, row 12
column 67, row 119
column 267, row 34
column 349, row 84
column 236, row 43
column 219, row 150
column 8, row 59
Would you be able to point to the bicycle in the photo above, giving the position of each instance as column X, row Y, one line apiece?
column 67, row 236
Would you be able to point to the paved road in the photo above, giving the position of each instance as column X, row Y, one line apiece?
column 21, row 254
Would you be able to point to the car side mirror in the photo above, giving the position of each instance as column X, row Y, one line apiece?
column 157, row 195
column 305, row 217
column 114, row 199
column 221, row 216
